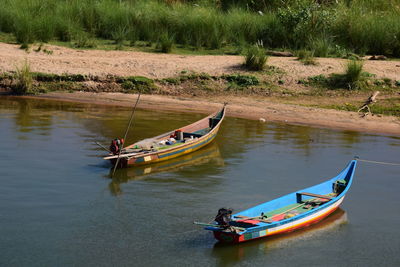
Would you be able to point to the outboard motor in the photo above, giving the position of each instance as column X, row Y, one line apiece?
column 116, row 145
column 223, row 217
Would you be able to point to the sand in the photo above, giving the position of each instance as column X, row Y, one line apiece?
column 152, row 65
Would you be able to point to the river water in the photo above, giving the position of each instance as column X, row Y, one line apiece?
column 58, row 206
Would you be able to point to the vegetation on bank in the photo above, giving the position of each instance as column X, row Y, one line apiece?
column 343, row 91
column 323, row 27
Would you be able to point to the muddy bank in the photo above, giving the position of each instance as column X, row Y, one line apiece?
column 243, row 107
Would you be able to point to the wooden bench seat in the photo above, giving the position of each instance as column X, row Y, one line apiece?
column 298, row 196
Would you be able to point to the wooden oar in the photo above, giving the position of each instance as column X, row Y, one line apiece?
column 126, row 133
column 103, row 147
column 218, row 226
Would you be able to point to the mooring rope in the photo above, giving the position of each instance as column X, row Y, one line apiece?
column 379, row 162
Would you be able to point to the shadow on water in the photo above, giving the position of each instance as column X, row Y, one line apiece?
column 209, row 155
column 228, row 254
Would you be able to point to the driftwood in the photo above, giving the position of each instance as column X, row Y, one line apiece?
column 280, row 54
column 378, row 57
column 369, row 101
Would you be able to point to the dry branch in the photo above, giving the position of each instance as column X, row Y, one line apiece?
column 369, row 101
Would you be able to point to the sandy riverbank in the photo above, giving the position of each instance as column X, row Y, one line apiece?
column 157, row 65
column 244, row 107
column 131, row 63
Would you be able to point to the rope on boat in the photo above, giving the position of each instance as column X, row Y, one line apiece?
column 379, row 162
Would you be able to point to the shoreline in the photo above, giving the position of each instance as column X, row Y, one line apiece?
column 242, row 107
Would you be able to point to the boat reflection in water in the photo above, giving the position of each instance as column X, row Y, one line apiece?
column 209, row 154
column 229, row 254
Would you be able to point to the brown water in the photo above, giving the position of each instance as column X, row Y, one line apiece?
column 59, row 208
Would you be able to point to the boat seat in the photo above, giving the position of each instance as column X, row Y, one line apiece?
column 188, row 135
column 300, row 194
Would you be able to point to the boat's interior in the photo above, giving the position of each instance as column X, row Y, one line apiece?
column 178, row 136
column 302, row 202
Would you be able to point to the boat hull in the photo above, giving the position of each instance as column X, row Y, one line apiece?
column 228, row 237
column 170, row 154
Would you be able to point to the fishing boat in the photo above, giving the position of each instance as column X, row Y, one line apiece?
column 169, row 145
column 285, row 214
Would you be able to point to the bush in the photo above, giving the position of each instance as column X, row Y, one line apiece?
column 353, row 78
column 166, row 42
column 353, row 74
column 23, row 30
column 321, row 46
column 255, row 58
column 119, row 36
column 84, row 40
column 137, row 83
column 23, row 80
column 306, row 57
column 242, row 80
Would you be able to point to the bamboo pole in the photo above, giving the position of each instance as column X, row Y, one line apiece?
column 126, row 133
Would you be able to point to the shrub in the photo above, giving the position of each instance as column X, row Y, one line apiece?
column 23, row 30
column 321, row 46
column 319, row 79
column 119, row 35
column 242, row 80
column 166, row 42
column 255, row 58
column 353, row 78
column 353, row 73
column 23, row 80
column 306, row 57
column 84, row 40
column 137, row 83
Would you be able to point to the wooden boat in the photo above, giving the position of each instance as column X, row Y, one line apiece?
column 284, row 214
column 171, row 144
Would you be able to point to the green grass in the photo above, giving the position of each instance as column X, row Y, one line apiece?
column 241, row 80
column 389, row 107
column 353, row 78
column 306, row 57
column 255, row 58
column 23, row 80
column 353, row 74
column 166, row 43
column 328, row 29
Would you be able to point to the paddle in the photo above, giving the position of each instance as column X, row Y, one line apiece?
column 218, row 226
column 126, row 133
column 103, row 147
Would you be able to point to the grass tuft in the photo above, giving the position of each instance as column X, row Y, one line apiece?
column 23, row 80
column 306, row 57
column 166, row 43
column 353, row 74
column 255, row 58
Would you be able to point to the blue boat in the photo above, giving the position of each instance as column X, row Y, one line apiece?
column 285, row 214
